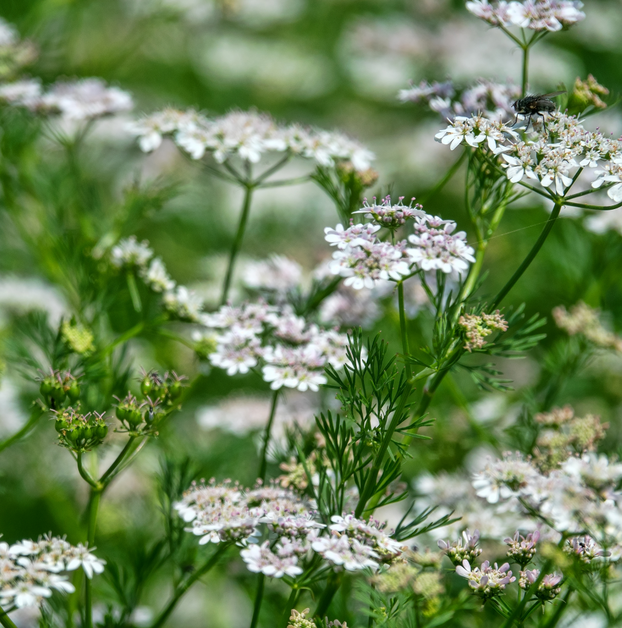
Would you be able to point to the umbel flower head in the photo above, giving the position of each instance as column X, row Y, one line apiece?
column 487, row 581
column 554, row 158
column 248, row 135
column 536, row 15
column 31, row 570
column 77, row 100
column 458, row 552
column 492, row 100
column 292, row 352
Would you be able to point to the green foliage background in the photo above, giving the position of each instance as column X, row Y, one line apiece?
column 332, row 63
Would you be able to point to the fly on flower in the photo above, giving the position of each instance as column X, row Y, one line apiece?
column 535, row 105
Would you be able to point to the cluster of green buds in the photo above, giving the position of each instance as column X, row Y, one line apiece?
column 138, row 417
column 80, row 432
column 165, row 389
column 57, row 387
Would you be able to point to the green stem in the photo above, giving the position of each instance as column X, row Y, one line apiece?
column 109, row 474
column 130, row 333
column 561, row 607
column 289, row 605
column 5, row 620
column 93, row 508
column 258, row 600
column 86, row 476
column 237, row 243
column 133, row 288
column 403, row 331
column 186, row 584
column 525, row 69
column 518, row 610
column 23, row 431
column 266, row 436
column 371, row 480
column 332, row 585
column 530, row 256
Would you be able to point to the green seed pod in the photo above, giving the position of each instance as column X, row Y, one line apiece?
column 122, row 412
column 74, row 435
column 46, row 386
column 73, row 392
column 101, row 431
column 58, row 393
column 87, row 432
column 175, row 390
column 134, row 417
column 146, row 386
column 60, row 425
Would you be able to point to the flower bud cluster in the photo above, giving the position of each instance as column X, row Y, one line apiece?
column 58, row 387
column 587, row 94
column 584, row 549
column 479, row 327
column 299, row 620
column 486, row 581
column 563, row 433
column 31, row 570
column 548, row 589
column 583, row 320
column 80, row 432
column 77, row 337
column 522, row 549
column 458, row 552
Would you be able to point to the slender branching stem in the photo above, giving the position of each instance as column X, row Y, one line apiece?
column 92, row 511
column 258, row 600
column 270, row 171
column 187, row 583
column 110, row 472
column 530, row 256
column 332, row 585
column 35, row 415
column 372, row 477
column 86, row 476
column 123, row 338
column 237, row 242
column 525, row 74
column 263, row 464
column 403, row 330
column 289, row 605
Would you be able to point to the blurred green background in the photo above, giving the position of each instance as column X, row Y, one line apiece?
column 335, row 64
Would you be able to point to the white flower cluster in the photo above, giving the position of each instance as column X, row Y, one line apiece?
column 82, row 99
column 579, row 495
column 536, row 15
column 138, row 256
column 15, row 53
column 553, row 158
column 248, row 135
column 492, row 100
column 31, row 570
column 365, row 260
column 293, row 351
column 227, row 513
column 278, row 275
column 487, row 581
